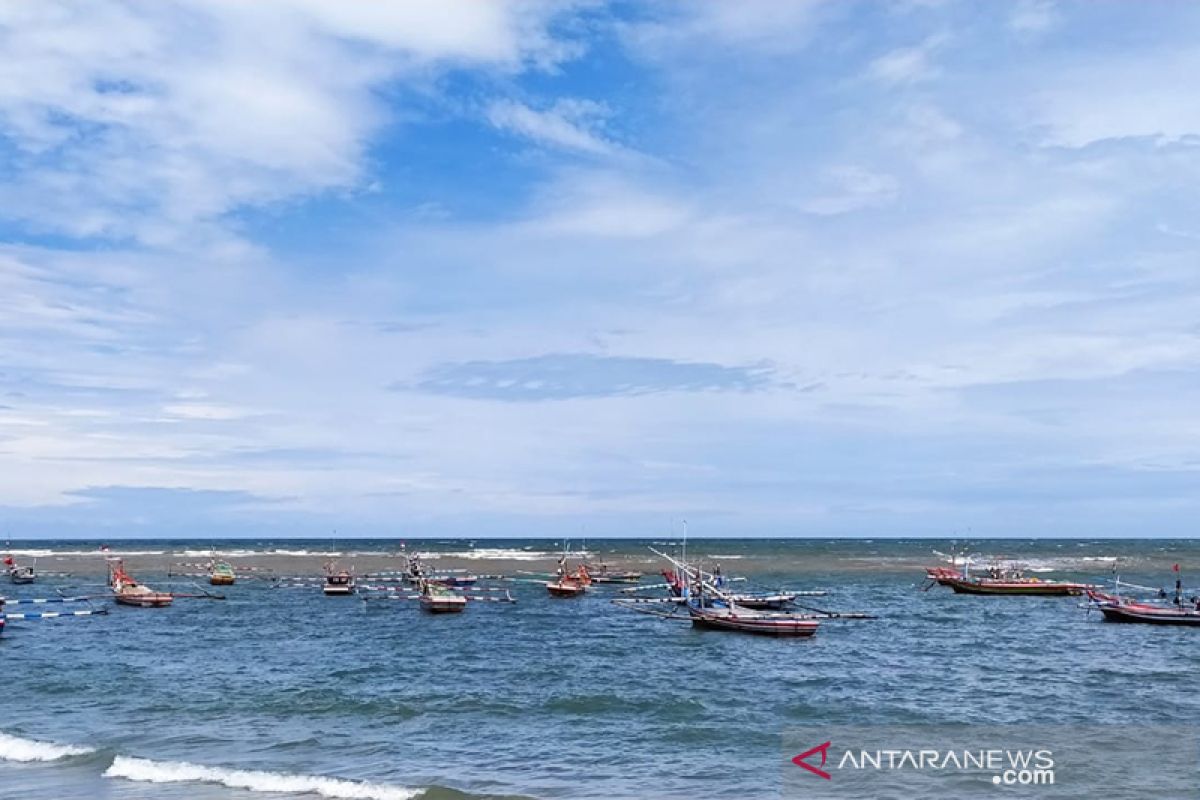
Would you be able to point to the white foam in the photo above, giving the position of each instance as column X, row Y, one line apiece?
column 499, row 553
column 13, row 748
column 146, row 771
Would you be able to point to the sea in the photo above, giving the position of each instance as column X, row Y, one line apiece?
column 281, row 692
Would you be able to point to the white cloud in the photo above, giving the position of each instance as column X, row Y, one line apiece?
column 907, row 64
column 1033, row 17
column 128, row 120
column 567, row 124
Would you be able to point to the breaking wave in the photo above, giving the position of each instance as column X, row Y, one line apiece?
column 14, row 748
column 146, row 771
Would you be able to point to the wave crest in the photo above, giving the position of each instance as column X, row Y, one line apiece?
column 147, row 771
column 14, row 748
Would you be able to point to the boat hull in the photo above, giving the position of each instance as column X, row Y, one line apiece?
column 338, row 591
column 1039, row 589
column 152, row 600
column 444, row 605
column 565, row 589
column 1150, row 615
column 221, row 580
column 758, row 625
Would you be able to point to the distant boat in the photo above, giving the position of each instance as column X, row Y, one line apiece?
column 569, row 584
column 437, row 599
column 338, row 583
column 128, row 592
column 603, row 573
column 221, row 574
column 17, row 573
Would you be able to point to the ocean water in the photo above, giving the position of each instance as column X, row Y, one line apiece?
column 279, row 693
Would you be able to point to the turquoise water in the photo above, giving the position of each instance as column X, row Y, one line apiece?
column 284, row 690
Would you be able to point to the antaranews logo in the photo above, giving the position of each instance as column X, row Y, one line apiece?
column 1024, row 767
column 823, row 749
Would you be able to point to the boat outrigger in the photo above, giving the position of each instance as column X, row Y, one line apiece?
column 6, row 615
column 1121, row 608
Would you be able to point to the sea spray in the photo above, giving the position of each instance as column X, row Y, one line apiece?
column 147, row 771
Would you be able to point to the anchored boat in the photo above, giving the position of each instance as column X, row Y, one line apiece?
column 1001, row 580
column 128, row 592
column 730, row 617
column 17, row 573
column 221, row 574
column 338, row 583
column 1118, row 608
column 437, row 599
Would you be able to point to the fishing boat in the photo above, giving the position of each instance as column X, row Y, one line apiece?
column 221, row 574
column 567, row 583
column 603, row 573
column 17, row 573
column 730, row 617
column 1119, row 608
column 437, row 599
column 128, row 592
column 1001, row 580
column 570, row 584
column 338, row 583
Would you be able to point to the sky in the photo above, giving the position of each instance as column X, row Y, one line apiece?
column 534, row 268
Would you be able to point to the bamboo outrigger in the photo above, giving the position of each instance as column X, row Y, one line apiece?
column 6, row 615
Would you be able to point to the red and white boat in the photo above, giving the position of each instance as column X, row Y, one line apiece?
column 128, row 592
column 570, row 585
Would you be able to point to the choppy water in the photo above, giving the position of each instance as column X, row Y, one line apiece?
column 286, row 693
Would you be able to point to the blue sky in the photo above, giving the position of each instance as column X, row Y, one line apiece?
column 531, row 268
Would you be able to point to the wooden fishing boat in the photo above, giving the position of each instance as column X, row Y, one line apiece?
column 1132, row 611
column 128, row 592
column 726, row 617
column 438, row 599
column 338, row 583
column 1015, row 586
column 1117, row 608
column 603, row 573
column 221, row 574
column 569, row 584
